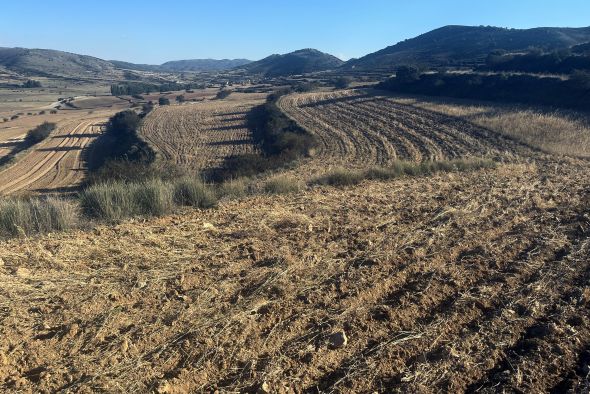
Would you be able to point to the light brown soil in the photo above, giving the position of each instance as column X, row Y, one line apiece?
column 56, row 164
column 201, row 135
column 441, row 284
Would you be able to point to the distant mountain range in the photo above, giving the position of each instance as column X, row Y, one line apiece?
column 197, row 65
column 47, row 62
column 294, row 63
column 446, row 46
column 456, row 45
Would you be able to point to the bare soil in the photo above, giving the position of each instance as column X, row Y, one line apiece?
column 457, row 282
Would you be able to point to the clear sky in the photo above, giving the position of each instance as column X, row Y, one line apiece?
column 146, row 31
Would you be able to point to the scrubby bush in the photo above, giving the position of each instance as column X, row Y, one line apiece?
column 341, row 177
column 32, row 84
column 163, row 101
column 53, row 111
column 39, row 133
column 36, row 215
column 180, row 98
column 222, row 94
column 13, row 117
column 233, row 188
column 282, row 185
column 152, row 198
column 193, row 192
column 342, row 82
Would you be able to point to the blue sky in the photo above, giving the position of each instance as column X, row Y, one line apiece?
column 145, row 31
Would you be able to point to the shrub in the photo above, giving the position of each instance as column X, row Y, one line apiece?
column 5, row 119
column 110, row 201
column 39, row 133
column 341, row 177
column 180, row 98
column 36, row 215
column 163, row 101
column 282, row 185
column 342, row 82
column 152, row 198
column 222, row 94
column 53, row 111
column 42, row 113
column 32, row 84
column 193, row 192
column 233, row 188
column 13, row 117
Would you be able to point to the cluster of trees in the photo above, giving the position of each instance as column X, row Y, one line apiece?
column 557, row 62
column 572, row 93
column 281, row 141
column 32, row 84
column 136, row 88
column 39, row 133
column 222, row 94
column 163, row 101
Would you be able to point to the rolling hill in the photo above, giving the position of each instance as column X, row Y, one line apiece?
column 185, row 65
column 47, row 62
column 466, row 45
column 294, row 63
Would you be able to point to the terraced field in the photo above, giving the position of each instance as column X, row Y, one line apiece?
column 55, row 164
column 201, row 135
column 366, row 128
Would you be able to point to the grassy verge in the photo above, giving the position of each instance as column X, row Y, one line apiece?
column 113, row 201
column 345, row 177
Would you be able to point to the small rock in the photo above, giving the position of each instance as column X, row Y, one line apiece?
column 125, row 345
column 3, row 359
column 338, row 340
column 1, row 262
column 73, row 330
column 264, row 388
column 208, row 226
column 141, row 284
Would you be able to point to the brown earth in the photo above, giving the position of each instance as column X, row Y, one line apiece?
column 57, row 163
column 457, row 282
column 201, row 135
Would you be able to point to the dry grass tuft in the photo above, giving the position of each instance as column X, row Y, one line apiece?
column 282, row 185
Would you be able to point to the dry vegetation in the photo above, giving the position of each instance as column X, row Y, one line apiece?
column 201, row 135
column 419, row 276
column 355, row 127
column 555, row 131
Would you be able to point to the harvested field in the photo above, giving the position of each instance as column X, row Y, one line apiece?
column 56, row 164
column 366, row 128
column 447, row 283
column 201, row 135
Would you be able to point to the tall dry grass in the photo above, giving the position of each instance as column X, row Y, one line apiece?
column 28, row 216
column 561, row 132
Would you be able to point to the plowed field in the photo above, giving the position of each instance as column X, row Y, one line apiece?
column 201, row 135
column 356, row 127
column 55, row 164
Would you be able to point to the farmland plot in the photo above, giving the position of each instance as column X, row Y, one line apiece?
column 55, row 164
column 201, row 135
column 371, row 129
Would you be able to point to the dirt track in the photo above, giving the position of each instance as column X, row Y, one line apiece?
column 371, row 129
column 200, row 135
column 55, row 164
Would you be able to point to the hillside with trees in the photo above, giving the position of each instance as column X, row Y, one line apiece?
column 294, row 63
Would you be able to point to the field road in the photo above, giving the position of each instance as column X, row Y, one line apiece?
column 54, row 165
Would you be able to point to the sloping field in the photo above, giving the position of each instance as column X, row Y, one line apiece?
column 473, row 281
column 55, row 164
column 201, row 135
column 363, row 127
